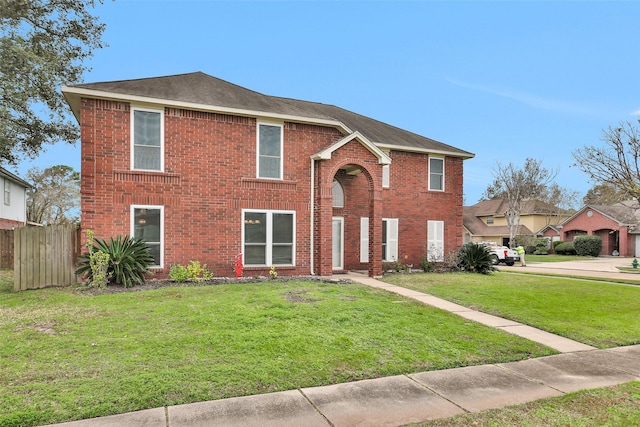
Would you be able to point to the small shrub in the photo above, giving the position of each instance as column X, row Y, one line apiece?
column 194, row 272
column 178, row 273
column 129, row 260
column 541, row 246
column 565, row 248
column 587, row 245
column 556, row 243
column 475, row 258
column 426, row 265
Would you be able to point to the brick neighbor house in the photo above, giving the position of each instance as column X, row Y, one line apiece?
column 202, row 169
column 618, row 225
column 13, row 208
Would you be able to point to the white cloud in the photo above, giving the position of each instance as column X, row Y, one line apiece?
column 529, row 99
column 635, row 113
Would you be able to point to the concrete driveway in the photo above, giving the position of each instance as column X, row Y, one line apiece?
column 601, row 267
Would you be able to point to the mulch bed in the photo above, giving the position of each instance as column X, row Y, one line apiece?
column 164, row 283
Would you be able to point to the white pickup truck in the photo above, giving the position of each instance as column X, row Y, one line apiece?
column 502, row 254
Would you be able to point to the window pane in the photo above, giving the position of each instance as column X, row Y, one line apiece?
column 255, row 255
column 384, row 240
column 436, row 182
column 146, row 158
column 282, row 255
column 269, row 167
column 255, row 227
column 282, row 228
column 147, row 228
column 270, row 140
column 436, row 165
column 338, row 195
column 146, row 128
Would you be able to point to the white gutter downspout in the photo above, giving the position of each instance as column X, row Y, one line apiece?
column 311, row 245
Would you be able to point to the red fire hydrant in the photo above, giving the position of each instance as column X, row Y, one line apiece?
column 237, row 266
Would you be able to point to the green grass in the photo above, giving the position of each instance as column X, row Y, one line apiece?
column 556, row 258
column 68, row 355
column 596, row 313
column 611, row 406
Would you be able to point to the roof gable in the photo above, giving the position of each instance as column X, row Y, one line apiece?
column 203, row 92
column 325, row 154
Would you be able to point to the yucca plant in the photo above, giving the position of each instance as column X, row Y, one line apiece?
column 129, row 260
column 475, row 258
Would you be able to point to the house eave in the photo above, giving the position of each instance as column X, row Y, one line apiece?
column 464, row 156
column 74, row 94
column 326, row 154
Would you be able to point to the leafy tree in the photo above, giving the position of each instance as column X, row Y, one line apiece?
column 55, row 195
column 603, row 194
column 516, row 185
column 43, row 45
column 617, row 163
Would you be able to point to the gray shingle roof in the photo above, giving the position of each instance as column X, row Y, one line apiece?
column 202, row 89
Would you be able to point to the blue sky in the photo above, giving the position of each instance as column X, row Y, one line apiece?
column 503, row 80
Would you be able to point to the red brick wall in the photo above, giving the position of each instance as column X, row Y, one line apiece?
column 210, row 176
column 601, row 226
column 9, row 224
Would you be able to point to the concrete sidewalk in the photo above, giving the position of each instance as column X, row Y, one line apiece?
column 402, row 399
column 413, row 398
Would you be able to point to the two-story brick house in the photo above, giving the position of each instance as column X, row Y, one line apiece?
column 204, row 169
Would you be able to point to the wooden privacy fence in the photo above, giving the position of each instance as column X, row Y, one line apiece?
column 6, row 248
column 45, row 256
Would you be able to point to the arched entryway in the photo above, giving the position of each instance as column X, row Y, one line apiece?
column 353, row 170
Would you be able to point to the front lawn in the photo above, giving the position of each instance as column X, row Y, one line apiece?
column 68, row 355
column 596, row 313
column 556, row 258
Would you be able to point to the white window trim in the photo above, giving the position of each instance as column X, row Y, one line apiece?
column 132, row 133
column 132, row 227
column 269, row 243
column 443, row 173
column 281, row 126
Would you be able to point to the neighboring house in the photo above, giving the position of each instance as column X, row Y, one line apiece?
column 204, row 169
column 486, row 221
column 617, row 225
column 13, row 207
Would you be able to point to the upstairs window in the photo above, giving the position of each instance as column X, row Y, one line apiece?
column 147, row 130
column 436, row 174
column 7, row 192
column 489, row 220
column 269, row 151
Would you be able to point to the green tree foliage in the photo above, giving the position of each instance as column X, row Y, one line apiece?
column 43, row 45
column 617, row 162
column 603, row 194
column 55, row 195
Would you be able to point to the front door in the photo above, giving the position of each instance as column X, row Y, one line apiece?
column 338, row 243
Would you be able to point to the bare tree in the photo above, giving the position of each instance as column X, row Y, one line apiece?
column 517, row 185
column 617, row 163
column 55, row 195
column 558, row 202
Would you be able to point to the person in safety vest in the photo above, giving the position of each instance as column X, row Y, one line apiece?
column 521, row 251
